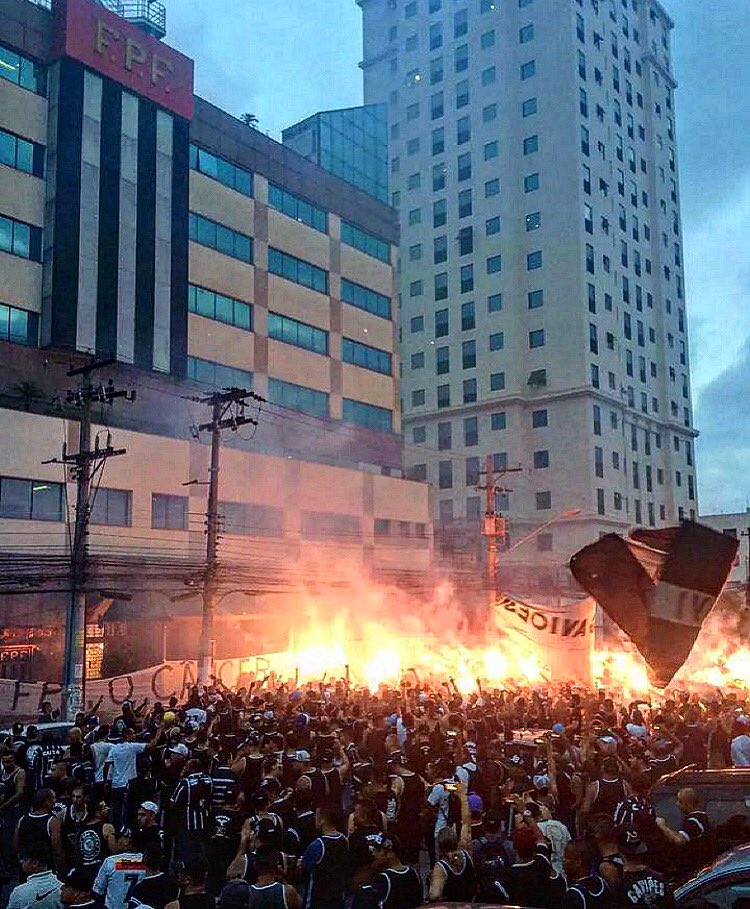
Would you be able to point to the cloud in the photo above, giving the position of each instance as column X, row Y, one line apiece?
column 724, row 446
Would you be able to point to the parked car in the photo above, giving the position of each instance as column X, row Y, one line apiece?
column 723, row 885
column 725, row 795
column 58, row 731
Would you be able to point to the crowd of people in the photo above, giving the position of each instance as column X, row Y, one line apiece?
column 329, row 797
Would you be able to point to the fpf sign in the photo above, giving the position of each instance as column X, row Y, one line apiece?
column 105, row 42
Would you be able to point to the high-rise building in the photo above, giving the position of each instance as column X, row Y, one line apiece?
column 543, row 316
column 351, row 143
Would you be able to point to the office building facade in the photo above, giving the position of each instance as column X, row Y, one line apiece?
column 534, row 165
column 139, row 224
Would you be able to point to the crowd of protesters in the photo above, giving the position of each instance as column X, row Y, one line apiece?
column 325, row 796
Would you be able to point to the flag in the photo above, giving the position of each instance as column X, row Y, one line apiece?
column 658, row 586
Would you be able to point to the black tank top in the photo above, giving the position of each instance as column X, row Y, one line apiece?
column 9, row 784
column 91, row 847
column 608, row 797
column 412, row 800
column 403, row 888
column 196, row 901
column 267, row 896
column 460, row 886
column 33, row 828
column 334, row 788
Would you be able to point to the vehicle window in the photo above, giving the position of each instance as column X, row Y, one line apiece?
column 725, row 807
column 730, row 896
column 665, row 804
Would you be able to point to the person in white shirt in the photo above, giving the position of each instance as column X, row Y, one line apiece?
column 100, row 749
column 120, row 767
column 41, row 888
column 741, row 750
column 120, row 873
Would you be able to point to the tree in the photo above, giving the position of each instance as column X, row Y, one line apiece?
column 249, row 120
column 28, row 392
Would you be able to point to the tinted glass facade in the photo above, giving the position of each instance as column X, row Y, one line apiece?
column 351, row 143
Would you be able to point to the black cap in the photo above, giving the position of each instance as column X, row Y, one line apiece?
column 79, row 880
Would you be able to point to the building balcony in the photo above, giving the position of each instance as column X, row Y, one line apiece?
column 149, row 15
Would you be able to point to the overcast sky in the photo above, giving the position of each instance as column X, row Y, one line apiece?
column 285, row 60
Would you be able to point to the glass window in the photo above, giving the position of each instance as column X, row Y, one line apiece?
column 529, row 107
column 534, row 260
column 169, row 512
column 216, row 306
column 497, row 341
column 498, row 421
column 297, row 270
column 536, row 338
column 218, row 375
column 379, row 419
column 20, row 239
column 539, row 419
column 222, row 239
column 531, row 183
column 533, row 221
column 365, row 356
column 526, row 34
column 536, row 299
column 528, row 70
column 530, row 145
column 19, row 326
column 112, row 507
column 298, row 397
column 494, row 303
column 366, row 243
column 224, row 171
column 22, row 71
column 31, row 500
column 300, row 334
column 299, row 209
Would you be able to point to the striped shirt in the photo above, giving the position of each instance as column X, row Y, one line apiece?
column 192, row 798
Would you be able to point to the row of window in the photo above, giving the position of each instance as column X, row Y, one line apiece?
column 22, row 71
column 218, row 375
column 20, row 239
column 219, row 307
column 537, row 379
column 317, row 403
column 365, row 242
column 297, row 270
column 296, row 207
column 221, row 238
column 300, row 334
column 21, row 154
column 220, row 169
column 19, row 326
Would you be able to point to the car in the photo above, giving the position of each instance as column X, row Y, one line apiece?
column 725, row 795
column 723, row 885
column 58, row 731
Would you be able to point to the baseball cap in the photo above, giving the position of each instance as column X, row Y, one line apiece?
column 235, row 895
column 516, row 760
column 558, row 728
column 150, row 806
column 631, row 842
column 476, row 805
column 302, row 755
column 78, row 879
column 180, row 749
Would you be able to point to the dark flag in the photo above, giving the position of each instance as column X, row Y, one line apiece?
column 658, row 586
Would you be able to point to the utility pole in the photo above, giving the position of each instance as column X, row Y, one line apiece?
column 227, row 412
column 86, row 465
column 495, row 526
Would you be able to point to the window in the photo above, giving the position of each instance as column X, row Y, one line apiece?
column 415, row 216
column 541, row 460
column 585, row 142
column 443, row 396
column 531, row 183
column 112, row 507
column 379, row 419
column 492, row 226
column 491, row 188
column 439, row 213
column 590, row 267
column 472, row 472
column 543, row 501
column 22, row 71
column 169, row 512
column 445, row 437
column 489, row 113
column 419, row 434
column 298, row 397
column 489, row 75
column 536, row 338
column 442, row 360
column 617, row 501
column 533, row 221
column 299, row 271
column 436, row 71
column 207, row 372
column 487, row 40
column 441, row 286
column 417, row 324
column 467, row 278
column 216, row 236
column 600, row 509
column 470, row 391
column 464, row 203
column 417, row 360
column 494, row 303
column 464, row 167
column 416, row 288
column 414, row 181
column 324, row 525
column 528, row 69
column 438, row 177
column 418, row 398
column 498, row 421
column 18, row 238
column 460, row 23
column 534, row 260
column 539, row 419
column 597, row 412
column 599, row 461
column 445, row 475
column 526, row 34
column 439, row 250
column 469, row 354
column 363, row 298
column 300, row 334
column 536, row 299
column 468, row 319
column 212, row 305
column 436, row 36
column 463, row 130
column 30, row 500
column 490, row 150
column 530, row 145
column 494, row 264
column 364, row 242
column 21, row 154
column 497, row 341
column 19, row 326
column 441, row 323
column 438, row 141
column 461, row 58
column 529, row 107
column 593, row 339
column 497, row 381
column 471, row 432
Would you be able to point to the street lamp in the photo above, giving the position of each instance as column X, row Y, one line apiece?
column 574, row 512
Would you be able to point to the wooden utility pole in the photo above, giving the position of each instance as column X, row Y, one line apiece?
column 495, row 525
column 227, row 412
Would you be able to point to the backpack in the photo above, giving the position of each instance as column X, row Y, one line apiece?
column 490, row 858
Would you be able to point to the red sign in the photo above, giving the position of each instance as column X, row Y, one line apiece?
column 109, row 44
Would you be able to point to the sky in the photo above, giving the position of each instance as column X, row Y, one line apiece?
column 286, row 60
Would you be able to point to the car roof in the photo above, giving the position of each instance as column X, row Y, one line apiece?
column 735, row 860
column 735, row 776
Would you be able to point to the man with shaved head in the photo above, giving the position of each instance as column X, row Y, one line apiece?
column 693, row 839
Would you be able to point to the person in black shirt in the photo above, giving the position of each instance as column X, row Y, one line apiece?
column 694, row 839
column 156, row 889
column 641, row 886
column 585, row 890
column 531, row 880
column 395, row 885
